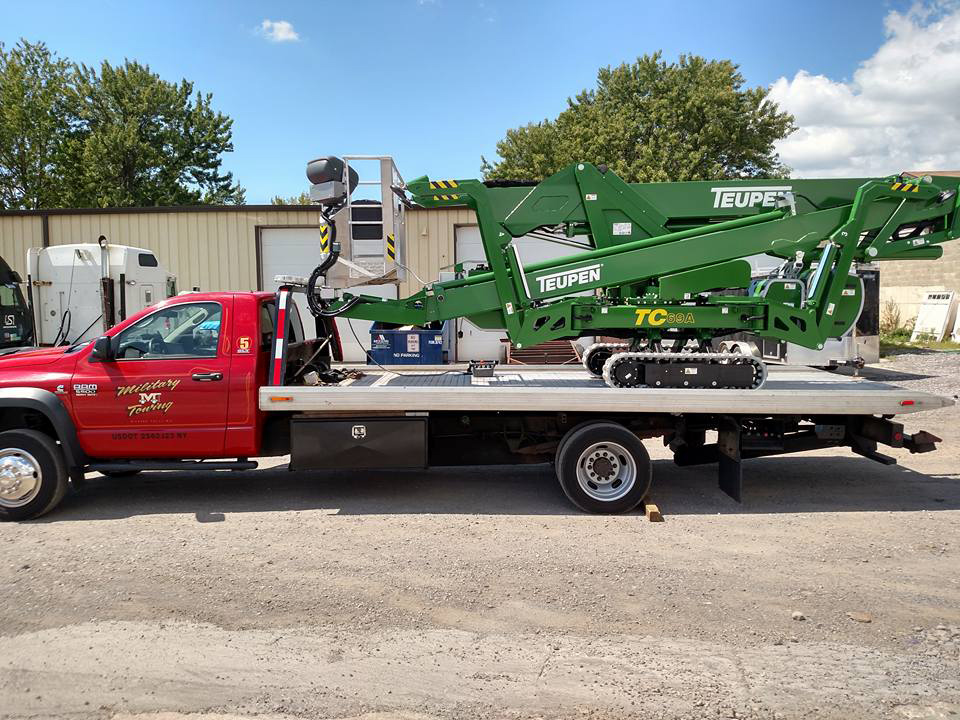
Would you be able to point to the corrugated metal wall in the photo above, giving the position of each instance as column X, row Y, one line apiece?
column 431, row 236
column 17, row 234
column 212, row 250
column 216, row 250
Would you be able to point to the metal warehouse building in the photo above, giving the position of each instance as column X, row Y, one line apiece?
column 213, row 248
column 217, row 247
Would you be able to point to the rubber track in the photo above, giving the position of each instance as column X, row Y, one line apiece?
column 759, row 374
column 599, row 346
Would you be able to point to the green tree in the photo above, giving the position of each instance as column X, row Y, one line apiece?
column 652, row 121
column 301, row 199
column 143, row 141
column 34, row 125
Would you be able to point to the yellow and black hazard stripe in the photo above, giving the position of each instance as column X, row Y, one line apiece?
column 391, row 248
column 324, row 238
column 446, row 197
column 443, row 184
column 905, row 187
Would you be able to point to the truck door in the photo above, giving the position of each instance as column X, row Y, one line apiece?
column 165, row 392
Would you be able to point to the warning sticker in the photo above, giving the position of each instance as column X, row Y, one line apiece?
column 413, row 343
column 623, row 228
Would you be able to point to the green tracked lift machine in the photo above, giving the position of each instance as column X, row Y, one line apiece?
column 660, row 266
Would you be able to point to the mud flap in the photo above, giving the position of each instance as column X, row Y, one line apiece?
column 730, row 457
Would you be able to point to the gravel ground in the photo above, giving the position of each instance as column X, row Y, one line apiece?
column 832, row 592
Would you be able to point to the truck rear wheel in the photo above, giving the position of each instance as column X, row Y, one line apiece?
column 33, row 475
column 603, row 468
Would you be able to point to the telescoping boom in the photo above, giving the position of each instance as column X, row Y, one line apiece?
column 660, row 262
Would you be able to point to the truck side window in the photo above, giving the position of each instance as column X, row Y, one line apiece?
column 296, row 324
column 268, row 312
column 188, row 330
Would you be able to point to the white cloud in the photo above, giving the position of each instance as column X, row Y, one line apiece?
column 901, row 110
column 278, row 31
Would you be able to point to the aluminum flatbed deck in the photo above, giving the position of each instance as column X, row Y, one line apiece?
column 528, row 388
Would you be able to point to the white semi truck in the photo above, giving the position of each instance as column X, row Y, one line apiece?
column 78, row 292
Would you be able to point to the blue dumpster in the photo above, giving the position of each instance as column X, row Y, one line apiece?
column 405, row 346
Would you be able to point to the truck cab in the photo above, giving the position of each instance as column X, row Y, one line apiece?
column 177, row 380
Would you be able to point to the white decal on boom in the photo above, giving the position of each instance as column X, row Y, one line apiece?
column 569, row 278
column 731, row 197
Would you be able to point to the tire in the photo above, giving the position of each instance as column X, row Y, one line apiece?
column 570, row 433
column 23, row 497
column 603, row 468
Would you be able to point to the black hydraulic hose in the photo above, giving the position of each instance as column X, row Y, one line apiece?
column 317, row 305
column 323, row 312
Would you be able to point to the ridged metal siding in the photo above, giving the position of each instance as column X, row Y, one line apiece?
column 431, row 240
column 17, row 234
column 212, row 250
column 216, row 250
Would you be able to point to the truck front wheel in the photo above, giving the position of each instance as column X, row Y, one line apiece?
column 33, row 475
column 603, row 468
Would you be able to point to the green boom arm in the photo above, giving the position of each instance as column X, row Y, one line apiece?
column 658, row 254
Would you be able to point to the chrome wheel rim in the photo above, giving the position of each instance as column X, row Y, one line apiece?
column 606, row 471
column 20, row 477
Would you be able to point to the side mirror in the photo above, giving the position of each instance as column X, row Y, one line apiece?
column 102, row 349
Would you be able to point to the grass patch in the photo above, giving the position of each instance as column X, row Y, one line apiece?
column 899, row 341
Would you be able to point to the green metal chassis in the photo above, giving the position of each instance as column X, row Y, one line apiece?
column 663, row 258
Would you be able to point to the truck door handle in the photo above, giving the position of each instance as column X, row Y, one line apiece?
column 208, row 377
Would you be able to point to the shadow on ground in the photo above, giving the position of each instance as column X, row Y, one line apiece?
column 771, row 485
column 885, row 375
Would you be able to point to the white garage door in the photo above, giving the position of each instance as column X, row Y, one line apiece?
column 296, row 251
column 473, row 343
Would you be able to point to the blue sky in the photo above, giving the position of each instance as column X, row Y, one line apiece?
column 435, row 83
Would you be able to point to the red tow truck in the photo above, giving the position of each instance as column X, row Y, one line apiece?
column 203, row 381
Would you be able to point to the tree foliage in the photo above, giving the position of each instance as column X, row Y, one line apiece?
column 34, row 125
column 71, row 136
column 652, row 121
column 301, row 199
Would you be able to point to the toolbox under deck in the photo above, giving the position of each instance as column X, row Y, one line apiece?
column 528, row 388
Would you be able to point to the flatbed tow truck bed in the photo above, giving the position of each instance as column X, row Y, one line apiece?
column 531, row 388
column 425, row 416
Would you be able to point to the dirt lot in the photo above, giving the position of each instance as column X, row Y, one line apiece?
column 479, row 593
